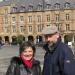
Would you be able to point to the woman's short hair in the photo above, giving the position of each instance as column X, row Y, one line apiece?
column 25, row 45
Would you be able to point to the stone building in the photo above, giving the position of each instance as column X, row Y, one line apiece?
column 26, row 18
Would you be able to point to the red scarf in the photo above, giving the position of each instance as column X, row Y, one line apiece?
column 28, row 63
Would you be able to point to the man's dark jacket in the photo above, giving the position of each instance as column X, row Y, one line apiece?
column 60, row 61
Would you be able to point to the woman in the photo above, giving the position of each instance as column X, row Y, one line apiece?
column 25, row 64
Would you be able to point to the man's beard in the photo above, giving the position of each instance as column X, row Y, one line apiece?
column 51, row 46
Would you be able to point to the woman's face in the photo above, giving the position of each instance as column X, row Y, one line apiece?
column 27, row 54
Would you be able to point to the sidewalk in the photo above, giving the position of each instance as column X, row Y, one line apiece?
column 6, row 52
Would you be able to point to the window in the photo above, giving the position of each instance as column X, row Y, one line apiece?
column 58, row 26
column 48, row 25
column 39, row 7
column 13, row 28
column 30, row 19
column 21, row 28
column 14, row 9
column 6, row 29
column 30, row 28
column 48, row 6
column 13, row 19
column 6, row 19
column 39, row 28
column 57, row 17
column 5, row 0
column 67, row 5
column 22, row 9
column 38, row 18
column 57, row 5
column 30, row 7
column 48, row 18
column 6, row 11
column 21, row 18
column 67, row 27
column 67, row 17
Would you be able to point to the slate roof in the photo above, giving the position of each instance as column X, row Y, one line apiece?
column 22, row 2
column 35, row 3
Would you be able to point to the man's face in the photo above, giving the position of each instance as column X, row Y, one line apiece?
column 51, row 38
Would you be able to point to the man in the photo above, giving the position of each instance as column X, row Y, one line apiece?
column 59, row 59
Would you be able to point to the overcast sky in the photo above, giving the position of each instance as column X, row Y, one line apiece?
column 1, row 0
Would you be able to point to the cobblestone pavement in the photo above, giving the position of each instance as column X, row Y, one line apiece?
column 6, row 52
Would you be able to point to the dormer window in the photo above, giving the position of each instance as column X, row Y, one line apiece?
column 48, row 6
column 30, row 7
column 67, row 5
column 22, row 9
column 57, row 6
column 14, row 9
column 39, row 7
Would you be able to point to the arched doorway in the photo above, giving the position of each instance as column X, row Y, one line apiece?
column 68, row 38
column 6, row 39
column 0, row 38
column 20, row 39
column 31, row 39
column 23, row 38
column 38, row 39
column 74, row 38
column 14, row 40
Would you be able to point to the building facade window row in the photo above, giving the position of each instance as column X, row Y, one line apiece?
column 30, row 24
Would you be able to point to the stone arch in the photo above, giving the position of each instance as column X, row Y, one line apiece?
column 38, row 39
column 74, row 38
column 14, row 40
column 0, row 38
column 68, row 38
column 20, row 39
column 6, row 39
column 31, row 38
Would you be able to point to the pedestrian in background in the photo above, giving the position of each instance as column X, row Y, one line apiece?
column 59, row 59
column 25, row 64
column 73, row 48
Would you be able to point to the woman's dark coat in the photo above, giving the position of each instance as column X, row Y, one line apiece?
column 60, row 61
column 17, row 67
